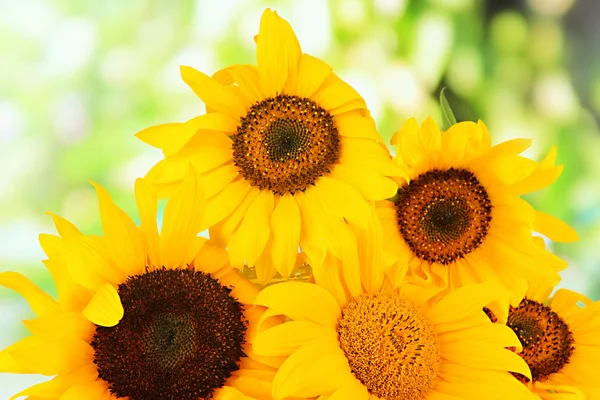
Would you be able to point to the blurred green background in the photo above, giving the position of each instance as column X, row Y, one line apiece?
column 80, row 77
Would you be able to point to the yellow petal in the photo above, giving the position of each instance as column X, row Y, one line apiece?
column 353, row 390
column 248, row 242
column 352, row 208
column 221, row 232
column 430, row 136
column 454, row 141
column 277, row 53
column 122, row 236
column 105, row 308
column 371, row 184
column 410, row 127
column 160, row 136
column 223, row 204
column 312, row 72
column 216, row 96
column 64, row 228
column 97, row 390
column 55, row 387
column 146, row 201
column 284, row 339
column 40, row 302
column 51, row 357
column 485, row 356
column 301, row 301
column 70, row 324
column 462, row 302
column 182, row 221
column 318, row 367
column 554, row 228
column 354, row 124
column 285, row 229
column 208, row 122
column 338, row 97
column 246, row 79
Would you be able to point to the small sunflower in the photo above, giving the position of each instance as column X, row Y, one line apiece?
column 460, row 218
column 288, row 152
column 140, row 315
column 386, row 341
column 560, row 336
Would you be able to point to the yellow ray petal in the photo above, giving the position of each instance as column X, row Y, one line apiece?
column 247, row 80
column 353, row 390
column 51, row 357
column 160, row 136
column 554, row 228
column 182, row 221
column 221, row 232
column 284, row 339
column 371, row 184
column 55, row 387
column 353, row 208
column 208, row 122
column 463, row 301
column 122, row 236
column 301, row 301
column 225, row 202
column 40, row 302
column 216, row 96
column 315, row 368
column 354, row 124
column 105, row 308
column 248, row 242
column 277, row 53
column 312, row 72
column 430, row 137
column 71, row 325
column 146, row 201
column 485, row 356
column 338, row 97
column 64, row 228
column 97, row 390
column 285, row 229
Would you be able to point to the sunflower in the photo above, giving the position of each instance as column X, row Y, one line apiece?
column 378, row 340
column 560, row 336
column 140, row 315
column 288, row 152
column 460, row 218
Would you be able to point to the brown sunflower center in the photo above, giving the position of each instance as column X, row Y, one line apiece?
column 546, row 338
column 443, row 215
column 285, row 143
column 181, row 336
column 390, row 346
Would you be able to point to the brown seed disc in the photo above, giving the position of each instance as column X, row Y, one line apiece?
column 285, row 143
column 546, row 338
column 443, row 215
column 181, row 337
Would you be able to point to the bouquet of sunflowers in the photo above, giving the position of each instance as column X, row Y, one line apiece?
column 333, row 269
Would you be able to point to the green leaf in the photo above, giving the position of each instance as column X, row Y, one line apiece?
column 448, row 118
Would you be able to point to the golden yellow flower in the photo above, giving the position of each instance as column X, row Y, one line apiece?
column 288, row 151
column 140, row 315
column 461, row 219
column 561, row 342
column 357, row 339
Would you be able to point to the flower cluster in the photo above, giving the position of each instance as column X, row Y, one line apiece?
column 429, row 279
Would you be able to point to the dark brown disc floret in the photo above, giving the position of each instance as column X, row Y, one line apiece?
column 547, row 340
column 285, row 143
column 181, row 337
column 443, row 215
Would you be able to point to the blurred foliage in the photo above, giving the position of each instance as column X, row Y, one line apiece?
column 81, row 77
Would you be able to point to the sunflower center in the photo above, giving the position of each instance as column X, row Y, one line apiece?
column 181, row 336
column 546, row 338
column 390, row 346
column 285, row 143
column 443, row 215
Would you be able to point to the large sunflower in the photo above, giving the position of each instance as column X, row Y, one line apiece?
column 140, row 315
column 561, row 342
column 386, row 341
column 288, row 151
column 460, row 218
